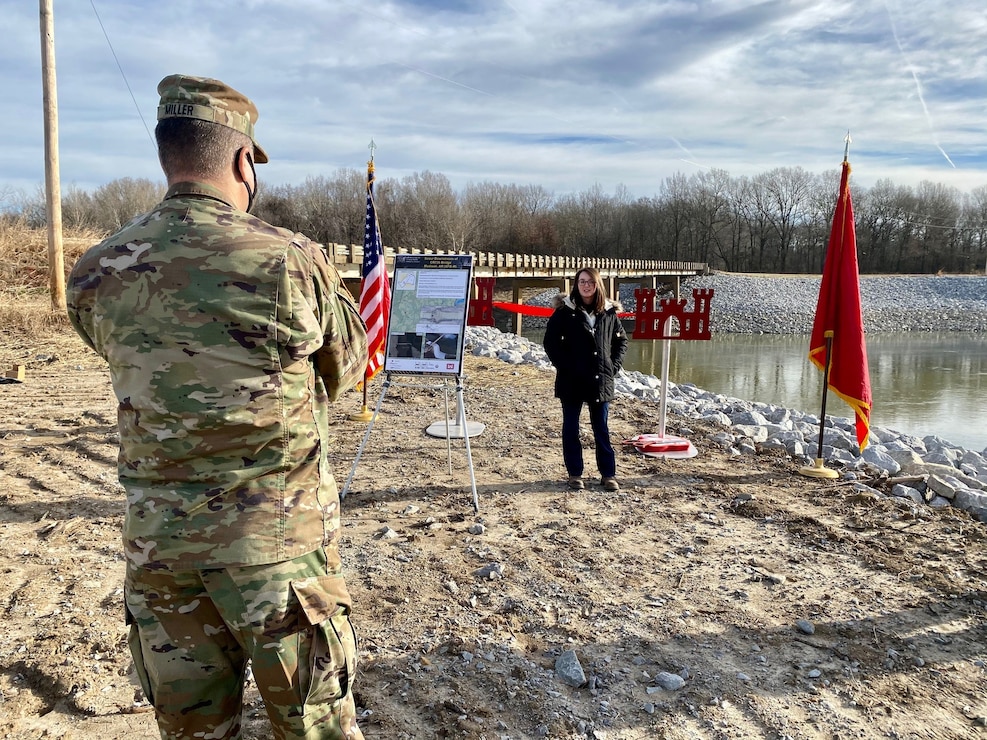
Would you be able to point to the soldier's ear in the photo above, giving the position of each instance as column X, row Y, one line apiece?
column 242, row 164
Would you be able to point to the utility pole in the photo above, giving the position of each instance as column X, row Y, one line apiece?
column 53, row 189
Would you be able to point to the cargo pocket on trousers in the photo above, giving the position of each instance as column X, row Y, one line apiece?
column 326, row 673
column 137, row 653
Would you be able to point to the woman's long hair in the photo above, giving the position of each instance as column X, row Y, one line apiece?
column 600, row 301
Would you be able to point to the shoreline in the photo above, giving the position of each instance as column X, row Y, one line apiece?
column 949, row 475
column 942, row 474
column 778, row 305
column 758, row 304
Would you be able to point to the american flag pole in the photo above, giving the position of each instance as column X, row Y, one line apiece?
column 364, row 410
column 375, row 291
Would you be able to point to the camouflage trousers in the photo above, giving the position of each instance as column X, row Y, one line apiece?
column 192, row 633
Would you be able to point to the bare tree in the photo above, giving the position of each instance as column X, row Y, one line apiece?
column 936, row 218
column 782, row 196
column 331, row 209
column 975, row 220
column 709, row 198
column 675, row 197
column 276, row 205
column 9, row 198
column 424, row 212
column 117, row 202
column 752, row 201
column 598, row 213
column 643, row 224
column 480, row 216
column 78, row 211
column 777, row 221
column 808, row 253
column 883, row 228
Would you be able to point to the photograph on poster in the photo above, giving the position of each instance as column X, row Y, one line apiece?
column 441, row 346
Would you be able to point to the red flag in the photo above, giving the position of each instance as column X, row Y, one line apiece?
column 838, row 316
column 375, row 289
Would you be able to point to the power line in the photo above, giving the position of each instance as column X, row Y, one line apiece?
column 122, row 73
column 926, row 225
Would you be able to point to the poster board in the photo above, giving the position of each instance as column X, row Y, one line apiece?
column 426, row 330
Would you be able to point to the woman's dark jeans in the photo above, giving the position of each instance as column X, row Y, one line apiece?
column 572, row 450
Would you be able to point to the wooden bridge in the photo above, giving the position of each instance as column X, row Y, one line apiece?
column 532, row 272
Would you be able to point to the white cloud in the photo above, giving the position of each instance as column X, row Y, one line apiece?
column 564, row 94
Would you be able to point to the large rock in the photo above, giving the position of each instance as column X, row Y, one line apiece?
column 569, row 669
column 881, row 460
column 944, row 471
column 974, row 502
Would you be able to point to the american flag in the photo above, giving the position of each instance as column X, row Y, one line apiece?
column 375, row 290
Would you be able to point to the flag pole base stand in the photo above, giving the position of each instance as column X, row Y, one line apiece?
column 818, row 470
column 659, row 445
column 364, row 414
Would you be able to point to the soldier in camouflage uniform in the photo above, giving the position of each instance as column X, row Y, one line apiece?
column 226, row 338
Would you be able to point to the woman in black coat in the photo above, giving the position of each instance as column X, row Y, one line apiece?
column 586, row 343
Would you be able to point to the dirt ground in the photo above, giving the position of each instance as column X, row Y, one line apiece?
column 701, row 568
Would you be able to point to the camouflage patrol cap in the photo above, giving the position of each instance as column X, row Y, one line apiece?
column 183, row 96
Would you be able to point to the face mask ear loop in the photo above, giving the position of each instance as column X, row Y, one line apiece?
column 250, row 192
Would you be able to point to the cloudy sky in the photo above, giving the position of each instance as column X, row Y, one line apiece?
column 566, row 94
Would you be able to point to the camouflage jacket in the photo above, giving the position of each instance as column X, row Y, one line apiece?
column 226, row 340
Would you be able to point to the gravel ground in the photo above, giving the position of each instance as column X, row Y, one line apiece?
column 718, row 597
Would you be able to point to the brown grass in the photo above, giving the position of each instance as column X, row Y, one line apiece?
column 25, row 304
column 29, row 314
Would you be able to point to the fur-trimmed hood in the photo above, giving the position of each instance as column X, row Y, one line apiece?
column 587, row 350
column 563, row 299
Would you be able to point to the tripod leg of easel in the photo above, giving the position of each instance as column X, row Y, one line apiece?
column 366, row 436
column 466, row 438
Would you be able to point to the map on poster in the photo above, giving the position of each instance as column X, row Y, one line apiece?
column 429, row 306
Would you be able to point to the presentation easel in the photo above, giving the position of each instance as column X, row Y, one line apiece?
column 450, row 427
column 425, row 342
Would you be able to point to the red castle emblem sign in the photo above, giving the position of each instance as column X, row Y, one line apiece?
column 667, row 318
